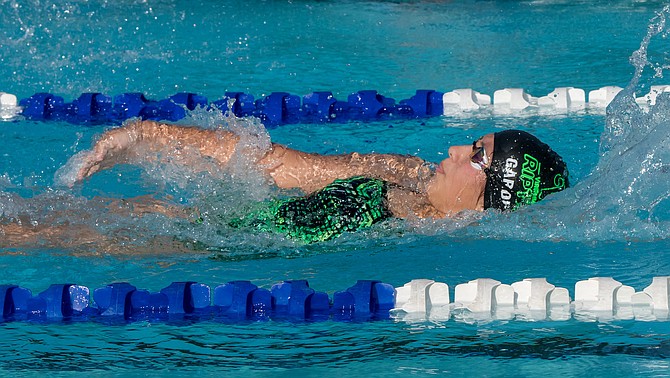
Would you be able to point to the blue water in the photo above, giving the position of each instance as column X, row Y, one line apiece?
column 597, row 228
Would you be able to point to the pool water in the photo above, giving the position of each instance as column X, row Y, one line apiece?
column 613, row 222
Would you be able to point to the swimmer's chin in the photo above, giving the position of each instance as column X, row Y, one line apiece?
column 69, row 174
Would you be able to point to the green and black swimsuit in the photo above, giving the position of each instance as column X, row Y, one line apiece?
column 344, row 205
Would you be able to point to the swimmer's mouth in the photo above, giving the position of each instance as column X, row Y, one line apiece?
column 439, row 169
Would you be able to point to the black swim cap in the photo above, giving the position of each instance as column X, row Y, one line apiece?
column 523, row 171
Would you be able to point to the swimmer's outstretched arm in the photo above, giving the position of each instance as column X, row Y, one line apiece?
column 137, row 139
column 288, row 168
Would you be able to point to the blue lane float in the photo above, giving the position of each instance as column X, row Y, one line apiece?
column 235, row 300
column 278, row 108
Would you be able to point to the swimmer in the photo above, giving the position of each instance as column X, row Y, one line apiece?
column 504, row 171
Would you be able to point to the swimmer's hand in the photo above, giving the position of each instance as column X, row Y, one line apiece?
column 114, row 147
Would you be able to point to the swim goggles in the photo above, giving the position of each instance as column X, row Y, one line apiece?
column 478, row 158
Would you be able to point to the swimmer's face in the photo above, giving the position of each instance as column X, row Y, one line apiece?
column 459, row 181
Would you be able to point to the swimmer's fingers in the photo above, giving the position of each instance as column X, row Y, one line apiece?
column 89, row 164
column 87, row 168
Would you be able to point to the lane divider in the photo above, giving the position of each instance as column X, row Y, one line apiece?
column 318, row 107
column 483, row 299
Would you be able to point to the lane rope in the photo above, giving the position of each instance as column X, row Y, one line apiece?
column 280, row 108
column 483, row 299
